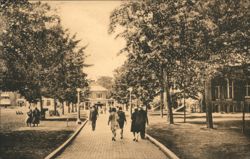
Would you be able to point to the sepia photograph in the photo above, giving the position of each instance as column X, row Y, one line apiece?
column 124, row 79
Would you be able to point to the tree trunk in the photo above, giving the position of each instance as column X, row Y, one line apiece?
column 68, row 104
column 184, row 103
column 62, row 107
column 41, row 108
column 208, row 98
column 203, row 102
column 168, row 100
column 162, row 93
column 41, row 104
column 55, row 106
column 243, row 118
column 72, row 107
column 162, row 102
column 170, row 112
column 130, row 103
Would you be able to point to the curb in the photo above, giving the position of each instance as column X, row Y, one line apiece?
column 163, row 148
column 57, row 151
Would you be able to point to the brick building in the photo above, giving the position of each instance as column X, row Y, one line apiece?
column 230, row 91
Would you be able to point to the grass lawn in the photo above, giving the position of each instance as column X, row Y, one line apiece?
column 31, row 143
column 192, row 140
column 19, row 141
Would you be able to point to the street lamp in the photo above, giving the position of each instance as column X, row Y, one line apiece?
column 130, row 99
column 78, row 121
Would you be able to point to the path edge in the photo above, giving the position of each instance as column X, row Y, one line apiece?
column 163, row 148
column 57, row 151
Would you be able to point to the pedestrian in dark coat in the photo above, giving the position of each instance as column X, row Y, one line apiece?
column 134, row 125
column 29, row 117
column 36, row 117
column 93, row 117
column 144, row 121
column 121, row 120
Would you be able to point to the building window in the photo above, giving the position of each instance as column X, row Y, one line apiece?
column 217, row 92
column 99, row 95
column 248, row 89
column 48, row 103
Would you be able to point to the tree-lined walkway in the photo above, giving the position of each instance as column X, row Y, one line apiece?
column 98, row 144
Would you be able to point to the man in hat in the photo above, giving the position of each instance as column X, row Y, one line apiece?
column 121, row 120
column 93, row 117
column 144, row 116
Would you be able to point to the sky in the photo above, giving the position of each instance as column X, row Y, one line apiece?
column 90, row 20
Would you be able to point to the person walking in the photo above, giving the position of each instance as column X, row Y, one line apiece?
column 143, row 115
column 29, row 117
column 121, row 120
column 113, row 120
column 93, row 117
column 134, row 125
column 36, row 117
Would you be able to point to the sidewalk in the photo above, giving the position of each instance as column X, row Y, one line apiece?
column 98, row 144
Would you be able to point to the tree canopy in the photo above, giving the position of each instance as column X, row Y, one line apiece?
column 41, row 58
column 162, row 34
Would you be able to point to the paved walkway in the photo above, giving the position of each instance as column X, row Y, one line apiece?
column 98, row 144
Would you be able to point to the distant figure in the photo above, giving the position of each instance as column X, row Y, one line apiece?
column 29, row 117
column 36, row 117
column 143, row 115
column 134, row 125
column 113, row 120
column 93, row 117
column 121, row 120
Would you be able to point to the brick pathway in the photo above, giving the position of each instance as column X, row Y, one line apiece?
column 98, row 144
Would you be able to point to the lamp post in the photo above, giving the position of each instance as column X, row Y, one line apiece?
column 130, row 99
column 78, row 121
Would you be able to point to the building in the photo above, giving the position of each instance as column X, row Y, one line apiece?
column 230, row 91
column 98, row 96
column 11, row 99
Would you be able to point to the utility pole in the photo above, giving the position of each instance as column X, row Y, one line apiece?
column 78, row 121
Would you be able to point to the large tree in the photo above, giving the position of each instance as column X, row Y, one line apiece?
column 166, row 32
column 23, row 46
column 158, row 31
column 133, row 74
column 42, row 58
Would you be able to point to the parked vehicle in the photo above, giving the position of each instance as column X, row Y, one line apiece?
column 5, row 99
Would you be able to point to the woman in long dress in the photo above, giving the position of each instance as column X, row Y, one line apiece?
column 113, row 120
column 35, row 117
column 135, row 125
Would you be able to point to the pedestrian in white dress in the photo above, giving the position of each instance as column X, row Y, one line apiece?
column 113, row 120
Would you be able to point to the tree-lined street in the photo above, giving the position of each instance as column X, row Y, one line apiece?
column 175, row 58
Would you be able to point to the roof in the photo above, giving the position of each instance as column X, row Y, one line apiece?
column 97, row 88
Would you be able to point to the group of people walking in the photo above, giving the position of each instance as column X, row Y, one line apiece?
column 139, row 120
column 33, row 117
column 117, row 119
